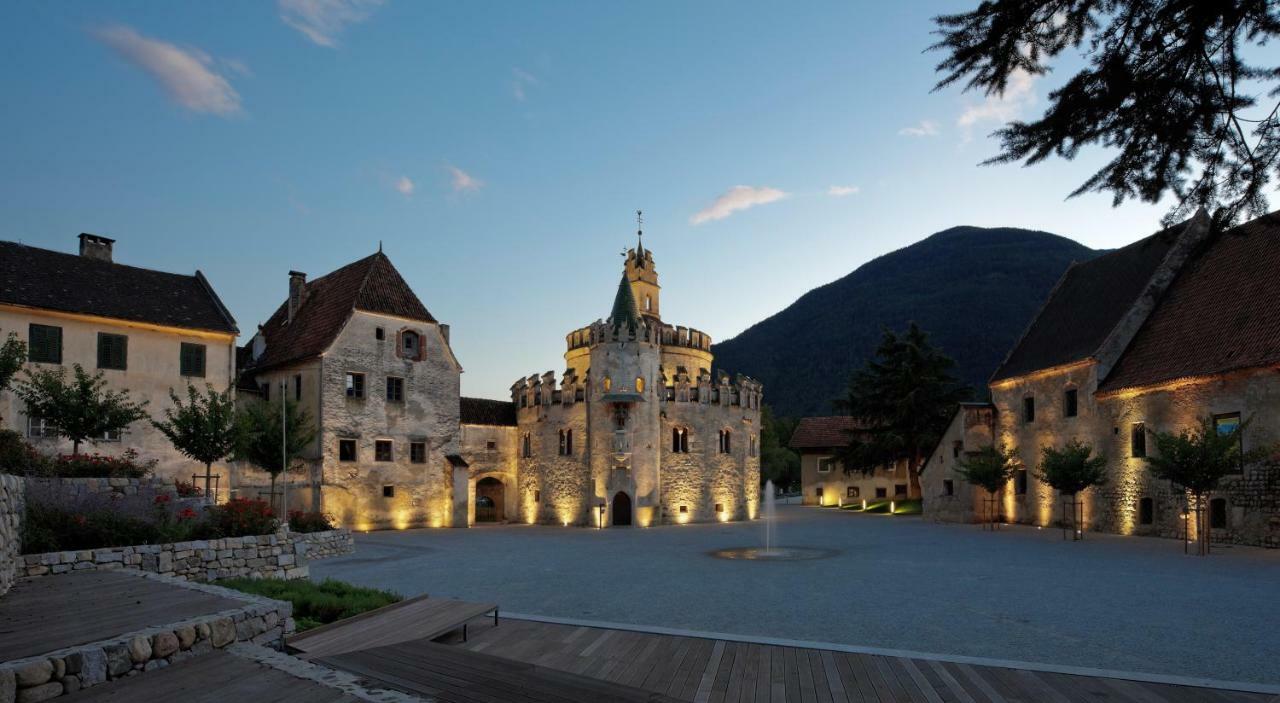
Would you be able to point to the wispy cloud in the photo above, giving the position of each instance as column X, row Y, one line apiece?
column 464, row 182
column 926, row 128
column 735, row 199
column 1018, row 95
column 322, row 21
column 404, row 185
column 188, row 76
column 521, row 81
column 841, row 191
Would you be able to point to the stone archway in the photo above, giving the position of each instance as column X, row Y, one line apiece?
column 621, row 510
column 490, row 500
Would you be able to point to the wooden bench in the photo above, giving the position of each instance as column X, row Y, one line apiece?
column 412, row 619
column 455, row 675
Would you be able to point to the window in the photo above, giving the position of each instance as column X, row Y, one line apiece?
column 113, row 351
column 388, row 491
column 418, row 452
column 957, row 447
column 410, row 344
column 882, row 492
column 608, row 384
column 818, row 491
column 1020, row 482
column 725, row 442
column 719, row 508
column 679, row 441
column 1218, row 513
column 566, row 442
column 44, row 344
column 537, row 496
column 527, row 448
column 648, row 303
column 752, row 450
column 110, row 436
column 266, row 392
column 355, row 385
column 40, row 427
column 346, row 450
column 1071, row 403
column 639, row 384
column 948, row 487
column 379, row 334
column 491, row 445
column 853, row 492
column 685, row 508
column 899, row 489
column 1029, row 409
column 1228, row 423
column 382, row 450
column 825, row 465
column 297, row 387
column 1146, row 511
column 395, row 389
column 191, row 360
column 1138, row 439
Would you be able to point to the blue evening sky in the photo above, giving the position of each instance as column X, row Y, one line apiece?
column 498, row 150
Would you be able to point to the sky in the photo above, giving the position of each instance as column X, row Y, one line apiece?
column 498, row 151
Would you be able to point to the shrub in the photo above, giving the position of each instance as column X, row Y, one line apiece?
column 300, row 521
column 242, row 516
column 98, row 466
column 186, row 489
column 19, row 457
column 317, row 604
column 116, row 522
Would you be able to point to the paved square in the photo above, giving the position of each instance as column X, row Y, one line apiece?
column 1132, row 604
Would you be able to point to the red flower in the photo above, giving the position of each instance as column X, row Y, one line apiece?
column 162, row 499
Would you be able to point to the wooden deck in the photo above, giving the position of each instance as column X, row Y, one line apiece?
column 51, row 612
column 216, row 677
column 413, row 619
column 696, row 669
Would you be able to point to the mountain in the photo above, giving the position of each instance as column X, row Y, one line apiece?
column 972, row 289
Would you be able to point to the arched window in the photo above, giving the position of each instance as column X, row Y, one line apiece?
column 410, row 343
column 725, row 442
column 679, row 440
column 639, row 384
column 648, row 303
column 566, row 442
column 608, row 384
column 527, row 446
column 1146, row 511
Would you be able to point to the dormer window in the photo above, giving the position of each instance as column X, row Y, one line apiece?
column 410, row 344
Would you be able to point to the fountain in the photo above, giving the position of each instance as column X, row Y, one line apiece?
column 771, row 551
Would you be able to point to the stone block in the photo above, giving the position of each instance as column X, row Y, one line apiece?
column 59, row 667
column 70, row 684
column 34, row 673
column 222, row 632
column 43, row 692
column 8, row 685
column 202, row 631
column 119, row 662
column 90, row 666
column 186, row 636
column 140, row 649
column 163, row 644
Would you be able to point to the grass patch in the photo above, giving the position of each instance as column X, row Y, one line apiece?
column 906, row 506
column 316, row 604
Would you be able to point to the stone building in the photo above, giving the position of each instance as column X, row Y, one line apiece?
column 369, row 364
column 1175, row 327
column 147, row 331
column 823, row 480
column 638, row 429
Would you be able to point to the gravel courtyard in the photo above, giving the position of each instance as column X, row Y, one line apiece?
column 1134, row 604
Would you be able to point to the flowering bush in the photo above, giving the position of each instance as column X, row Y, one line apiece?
column 187, row 489
column 98, row 466
column 242, row 516
column 300, row 521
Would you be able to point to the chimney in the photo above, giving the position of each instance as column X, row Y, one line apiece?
column 96, row 247
column 297, row 286
column 444, row 332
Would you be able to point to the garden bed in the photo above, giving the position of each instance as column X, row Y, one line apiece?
column 316, row 604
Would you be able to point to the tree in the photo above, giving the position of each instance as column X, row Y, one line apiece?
column 990, row 468
column 1166, row 86
column 13, row 354
column 260, row 437
column 1196, row 459
column 1070, row 470
column 778, row 463
column 203, row 429
column 903, row 398
column 82, row 409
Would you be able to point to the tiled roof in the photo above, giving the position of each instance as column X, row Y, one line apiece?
column 1222, row 313
column 823, row 432
column 51, row 280
column 1086, row 304
column 371, row 284
column 482, row 411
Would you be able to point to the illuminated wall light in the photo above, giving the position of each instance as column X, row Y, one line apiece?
column 893, row 507
column 864, row 503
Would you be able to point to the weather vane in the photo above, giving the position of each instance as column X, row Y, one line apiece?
column 639, row 222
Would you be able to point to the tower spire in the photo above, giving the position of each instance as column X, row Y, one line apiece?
column 639, row 234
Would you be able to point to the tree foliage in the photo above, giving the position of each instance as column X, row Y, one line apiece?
column 260, row 440
column 1169, row 86
column 13, row 354
column 903, row 398
column 80, row 409
column 990, row 467
column 1197, row 458
column 778, row 462
column 1071, row 469
column 204, row 428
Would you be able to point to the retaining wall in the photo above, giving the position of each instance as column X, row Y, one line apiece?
column 11, row 509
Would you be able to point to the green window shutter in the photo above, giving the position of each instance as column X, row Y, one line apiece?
column 113, row 351
column 191, row 360
column 44, row 344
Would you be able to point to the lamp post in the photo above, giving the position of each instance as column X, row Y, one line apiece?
column 284, row 452
column 600, row 520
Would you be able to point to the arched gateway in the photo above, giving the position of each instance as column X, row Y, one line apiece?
column 489, row 500
column 621, row 510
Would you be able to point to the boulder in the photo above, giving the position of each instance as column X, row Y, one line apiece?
column 140, row 649
column 34, row 673
column 43, row 692
column 163, row 644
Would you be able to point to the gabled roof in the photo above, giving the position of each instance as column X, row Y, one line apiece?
column 823, row 432
column 1222, row 313
column 482, row 411
column 1087, row 303
column 371, row 284
column 51, row 280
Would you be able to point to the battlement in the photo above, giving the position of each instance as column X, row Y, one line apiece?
column 649, row 331
column 678, row 386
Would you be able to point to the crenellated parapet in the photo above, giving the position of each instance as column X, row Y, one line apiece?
column 680, row 386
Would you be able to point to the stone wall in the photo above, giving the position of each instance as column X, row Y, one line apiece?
column 260, row 621
column 283, row 555
column 11, row 509
column 76, row 489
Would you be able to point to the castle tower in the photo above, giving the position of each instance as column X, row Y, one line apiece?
column 643, row 278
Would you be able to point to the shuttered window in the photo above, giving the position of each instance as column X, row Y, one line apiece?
column 45, row 345
column 113, row 351
column 192, row 360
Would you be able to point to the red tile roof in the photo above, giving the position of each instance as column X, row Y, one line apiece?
column 371, row 284
column 823, row 432
column 1222, row 313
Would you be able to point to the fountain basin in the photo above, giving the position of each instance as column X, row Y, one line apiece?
column 773, row 553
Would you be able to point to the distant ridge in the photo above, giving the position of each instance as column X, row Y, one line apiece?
column 974, row 289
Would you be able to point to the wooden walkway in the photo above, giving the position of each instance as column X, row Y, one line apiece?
column 696, row 669
column 216, row 677
column 412, row 619
column 43, row 614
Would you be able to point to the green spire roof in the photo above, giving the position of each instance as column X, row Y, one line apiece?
column 624, row 308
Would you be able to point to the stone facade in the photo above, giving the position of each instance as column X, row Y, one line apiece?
column 11, row 511
column 637, row 430
column 260, row 620
column 76, row 489
column 824, row 482
column 283, row 555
